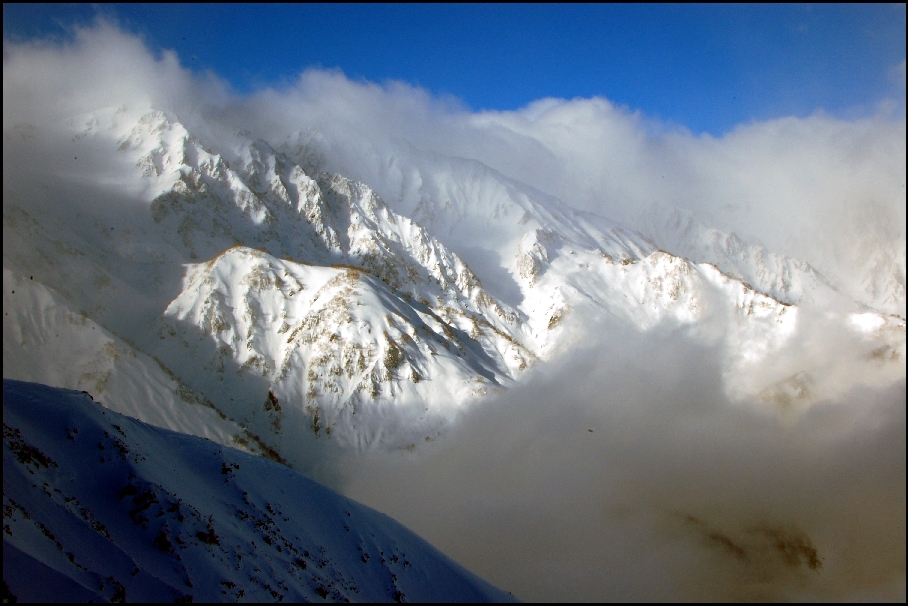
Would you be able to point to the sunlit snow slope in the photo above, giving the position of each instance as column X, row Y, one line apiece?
column 100, row 507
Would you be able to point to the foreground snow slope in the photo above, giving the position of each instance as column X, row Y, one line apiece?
column 99, row 506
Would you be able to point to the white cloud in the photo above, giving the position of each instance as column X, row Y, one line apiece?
column 102, row 67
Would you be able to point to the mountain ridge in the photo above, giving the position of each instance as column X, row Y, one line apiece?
column 291, row 300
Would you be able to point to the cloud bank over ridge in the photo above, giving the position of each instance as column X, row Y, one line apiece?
column 827, row 190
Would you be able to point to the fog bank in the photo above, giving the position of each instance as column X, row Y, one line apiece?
column 623, row 473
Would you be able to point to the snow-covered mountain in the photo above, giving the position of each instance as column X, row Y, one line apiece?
column 98, row 506
column 268, row 300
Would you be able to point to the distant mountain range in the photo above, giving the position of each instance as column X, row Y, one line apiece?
column 220, row 285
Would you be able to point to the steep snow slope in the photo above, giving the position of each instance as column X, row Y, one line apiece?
column 784, row 278
column 335, row 350
column 87, row 357
column 99, row 506
column 481, row 214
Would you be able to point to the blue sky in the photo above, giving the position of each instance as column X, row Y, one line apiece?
column 705, row 67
